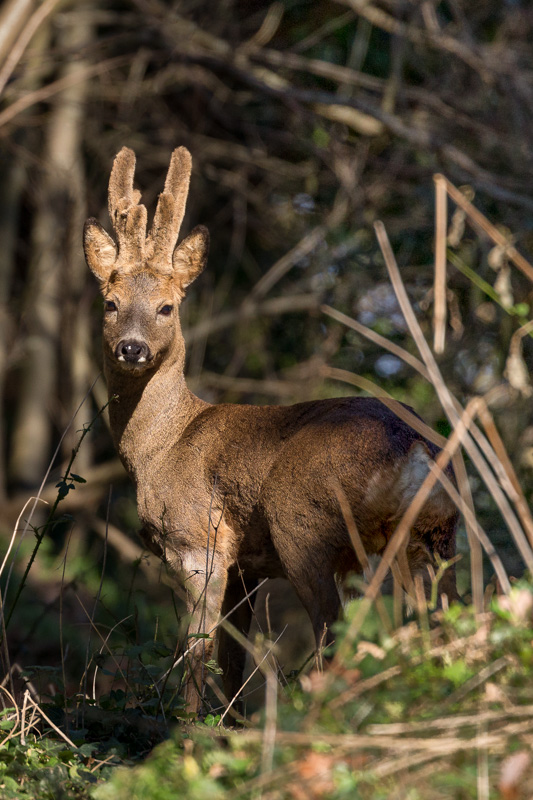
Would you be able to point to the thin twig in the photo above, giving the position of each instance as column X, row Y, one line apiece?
column 251, row 675
column 14, row 56
column 51, row 89
column 49, row 721
column 222, row 620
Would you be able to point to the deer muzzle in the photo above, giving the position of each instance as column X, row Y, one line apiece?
column 132, row 351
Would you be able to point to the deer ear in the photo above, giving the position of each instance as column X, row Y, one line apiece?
column 190, row 256
column 100, row 249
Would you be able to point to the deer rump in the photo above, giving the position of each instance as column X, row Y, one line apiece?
column 230, row 494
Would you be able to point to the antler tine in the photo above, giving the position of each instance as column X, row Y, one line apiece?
column 127, row 216
column 120, row 191
column 171, row 207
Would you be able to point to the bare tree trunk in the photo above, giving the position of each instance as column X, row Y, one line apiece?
column 12, row 178
column 58, row 213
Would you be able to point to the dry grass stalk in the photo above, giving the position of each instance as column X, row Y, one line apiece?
column 439, row 284
column 453, row 722
column 378, row 339
column 474, row 541
column 260, row 659
column 447, row 401
column 480, row 534
column 271, row 715
column 398, row 539
column 499, row 448
column 360, row 551
column 480, row 222
column 38, row 709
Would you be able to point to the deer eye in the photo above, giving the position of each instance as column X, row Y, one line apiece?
column 109, row 305
column 166, row 311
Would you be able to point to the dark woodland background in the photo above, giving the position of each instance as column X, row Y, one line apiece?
column 307, row 121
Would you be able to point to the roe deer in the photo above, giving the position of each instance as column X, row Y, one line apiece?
column 230, row 494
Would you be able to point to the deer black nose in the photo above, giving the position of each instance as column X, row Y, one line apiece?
column 132, row 351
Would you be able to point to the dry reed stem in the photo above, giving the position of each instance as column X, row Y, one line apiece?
column 397, row 601
column 447, row 401
column 495, row 560
column 405, row 573
column 474, row 542
column 377, row 338
column 499, row 448
column 453, row 722
column 437, row 746
column 401, row 411
column 478, row 680
column 360, row 551
column 439, row 284
column 267, row 29
column 482, row 223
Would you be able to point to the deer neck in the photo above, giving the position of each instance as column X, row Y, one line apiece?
column 148, row 413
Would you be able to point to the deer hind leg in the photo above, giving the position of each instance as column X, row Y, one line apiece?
column 319, row 596
column 204, row 578
column 231, row 655
column 313, row 579
column 421, row 551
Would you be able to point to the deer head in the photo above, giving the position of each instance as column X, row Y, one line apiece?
column 143, row 276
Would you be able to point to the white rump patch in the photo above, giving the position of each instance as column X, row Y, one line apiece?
column 413, row 474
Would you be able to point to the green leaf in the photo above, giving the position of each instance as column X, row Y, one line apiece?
column 213, row 667
column 212, row 720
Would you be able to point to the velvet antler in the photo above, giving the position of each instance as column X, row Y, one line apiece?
column 133, row 248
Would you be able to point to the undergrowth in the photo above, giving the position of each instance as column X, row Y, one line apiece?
column 426, row 711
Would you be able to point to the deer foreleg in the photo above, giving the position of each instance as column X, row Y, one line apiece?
column 204, row 579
